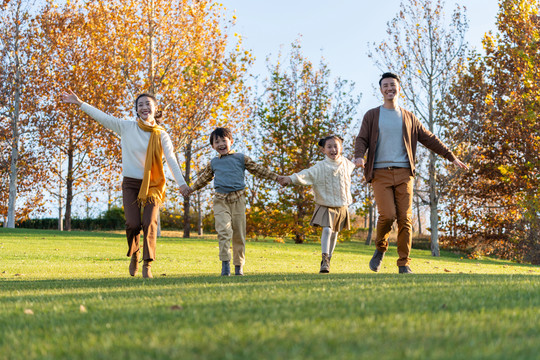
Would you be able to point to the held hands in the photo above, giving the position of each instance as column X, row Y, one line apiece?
column 284, row 180
column 359, row 162
column 71, row 98
column 185, row 190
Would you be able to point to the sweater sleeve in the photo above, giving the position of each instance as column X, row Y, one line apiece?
column 110, row 122
column 361, row 144
column 305, row 177
column 203, row 178
column 432, row 142
column 168, row 151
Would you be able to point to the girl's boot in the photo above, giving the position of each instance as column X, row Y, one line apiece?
column 325, row 264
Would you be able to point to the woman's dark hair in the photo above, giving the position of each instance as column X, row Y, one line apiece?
column 220, row 132
column 323, row 141
column 387, row 75
column 158, row 115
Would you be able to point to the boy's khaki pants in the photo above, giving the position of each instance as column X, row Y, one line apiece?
column 393, row 190
column 230, row 220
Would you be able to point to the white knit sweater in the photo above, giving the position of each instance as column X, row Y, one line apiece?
column 134, row 142
column 331, row 180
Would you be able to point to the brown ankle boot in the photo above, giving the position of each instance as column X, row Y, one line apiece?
column 134, row 264
column 146, row 269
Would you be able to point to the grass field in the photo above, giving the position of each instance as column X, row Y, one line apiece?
column 69, row 296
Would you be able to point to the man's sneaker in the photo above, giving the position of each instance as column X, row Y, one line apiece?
column 325, row 264
column 405, row 270
column 238, row 270
column 376, row 260
column 225, row 268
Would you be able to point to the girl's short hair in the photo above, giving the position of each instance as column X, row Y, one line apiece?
column 323, row 141
column 158, row 115
column 220, row 132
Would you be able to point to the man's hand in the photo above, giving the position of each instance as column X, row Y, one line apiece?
column 459, row 164
column 359, row 162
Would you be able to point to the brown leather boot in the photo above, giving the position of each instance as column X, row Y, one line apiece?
column 134, row 264
column 147, row 269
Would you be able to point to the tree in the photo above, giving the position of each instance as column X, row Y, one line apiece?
column 494, row 106
column 17, row 65
column 75, row 54
column 297, row 108
column 426, row 52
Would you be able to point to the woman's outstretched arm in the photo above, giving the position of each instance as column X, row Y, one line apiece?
column 110, row 122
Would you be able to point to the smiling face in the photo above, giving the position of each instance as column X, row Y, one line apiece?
column 222, row 144
column 390, row 89
column 332, row 148
column 146, row 108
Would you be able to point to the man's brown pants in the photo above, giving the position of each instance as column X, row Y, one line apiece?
column 393, row 189
column 134, row 222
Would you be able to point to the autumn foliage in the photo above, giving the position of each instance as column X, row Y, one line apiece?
column 494, row 112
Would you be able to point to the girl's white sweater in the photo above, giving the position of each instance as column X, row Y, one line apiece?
column 134, row 142
column 331, row 180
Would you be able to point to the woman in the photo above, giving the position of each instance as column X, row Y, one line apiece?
column 143, row 143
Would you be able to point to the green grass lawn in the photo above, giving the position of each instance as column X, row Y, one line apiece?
column 69, row 296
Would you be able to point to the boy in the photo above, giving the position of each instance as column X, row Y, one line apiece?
column 227, row 170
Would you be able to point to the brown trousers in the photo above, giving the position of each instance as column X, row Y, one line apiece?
column 393, row 189
column 134, row 222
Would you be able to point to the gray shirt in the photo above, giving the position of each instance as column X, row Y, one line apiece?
column 390, row 149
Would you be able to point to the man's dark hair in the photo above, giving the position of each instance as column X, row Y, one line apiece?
column 387, row 75
column 220, row 132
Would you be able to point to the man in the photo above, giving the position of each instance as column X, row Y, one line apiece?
column 390, row 135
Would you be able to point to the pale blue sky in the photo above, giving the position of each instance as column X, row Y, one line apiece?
column 338, row 30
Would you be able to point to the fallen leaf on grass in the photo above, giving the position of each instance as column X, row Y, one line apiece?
column 177, row 307
column 28, row 312
column 82, row 308
column 17, row 275
column 446, row 270
column 163, row 274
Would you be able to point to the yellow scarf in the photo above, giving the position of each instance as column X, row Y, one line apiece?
column 153, row 185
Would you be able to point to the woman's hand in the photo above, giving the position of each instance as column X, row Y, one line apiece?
column 71, row 98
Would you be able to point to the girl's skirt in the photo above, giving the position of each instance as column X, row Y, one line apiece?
column 336, row 218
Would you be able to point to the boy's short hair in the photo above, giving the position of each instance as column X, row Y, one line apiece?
column 220, row 132
column 322, row 142
column 387, row 75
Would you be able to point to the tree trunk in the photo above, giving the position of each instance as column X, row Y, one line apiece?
column 418, row 214
column 199, row 220
column 433, row 205
column 300, row 236
column 14, row 166
column 370, row 226
column 60, row 222
column 13, row 169
column 69, row 186
column 187, row 218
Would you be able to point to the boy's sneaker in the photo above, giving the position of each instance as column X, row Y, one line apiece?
column 376, row 260
column 405, row 270
column 225, row 268
column 325, row 264
column 238, row 270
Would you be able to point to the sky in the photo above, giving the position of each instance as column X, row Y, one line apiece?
column 338, row 30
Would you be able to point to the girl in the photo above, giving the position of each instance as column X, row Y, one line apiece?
column 143, row 143
column 331, row 180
